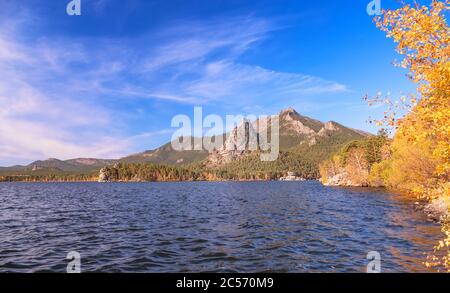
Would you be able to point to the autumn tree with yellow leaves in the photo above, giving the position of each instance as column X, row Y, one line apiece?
column 422, row 36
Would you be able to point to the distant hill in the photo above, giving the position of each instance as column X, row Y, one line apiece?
column 73, row 165
column 167, row 155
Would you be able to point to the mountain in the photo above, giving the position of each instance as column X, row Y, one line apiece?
column 304, row 143
column 72, row 165
column 167, row 155
column 295, row 131
column 298, row 135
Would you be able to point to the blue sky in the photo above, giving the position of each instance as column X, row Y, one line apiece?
column 107, row 83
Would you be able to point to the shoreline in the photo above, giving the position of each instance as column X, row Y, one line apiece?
column 436, row 210
column 156, row 181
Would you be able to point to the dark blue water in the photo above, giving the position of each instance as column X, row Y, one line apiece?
column 208, row 227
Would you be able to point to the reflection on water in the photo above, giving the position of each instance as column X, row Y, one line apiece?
column 208, row 227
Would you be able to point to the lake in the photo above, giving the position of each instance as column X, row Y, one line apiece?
column 209, row 227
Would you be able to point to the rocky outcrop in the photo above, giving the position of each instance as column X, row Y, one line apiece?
column 108, row 173
column 328, row 128
column 438, row 210
column 242, row 140
column 342, row 179
column 243, row 137
column 104, row 175
column 294, row 125
column 291, row 176
column 36, row 168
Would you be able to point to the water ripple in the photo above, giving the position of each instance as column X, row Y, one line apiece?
column 208, row 227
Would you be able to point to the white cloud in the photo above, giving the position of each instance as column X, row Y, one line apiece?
column 235, row 81
column 38, row 121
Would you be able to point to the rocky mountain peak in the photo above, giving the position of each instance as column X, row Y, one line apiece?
column 288, row 110
column 295, row 129
column 242, row 139
column 292, row 122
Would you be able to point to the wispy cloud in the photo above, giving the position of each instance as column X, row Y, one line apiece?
column 202, row 60
column 194, row 42
column 233, row 82
column 39, row 118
